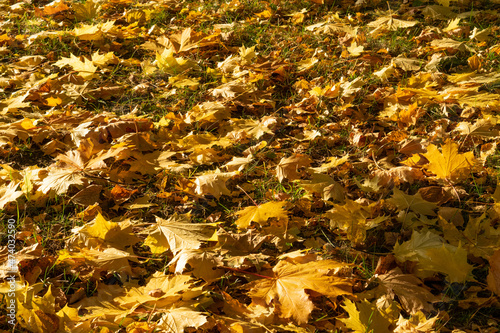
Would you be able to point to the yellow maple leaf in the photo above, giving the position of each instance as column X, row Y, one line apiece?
column 85, row 68
column 171, row 65
column 87, row 10
column 261, row 213
column 213, row 183
column 417, row 322
column 53, row 101
column 204, row 264
column 324, row 185
column 449, row 164
column 409, row 289
column 288, row 166
column 354, row 219
column 102, row 60
column 355, row 50
column 37, row 314
column 414, row 202
column 433, row 255
column 160, row 290
column 176, row 319
column 114, row 234
column 366, row 317
column 286, row 288
column 88, row 32
column 177, row 233
column 9, row 193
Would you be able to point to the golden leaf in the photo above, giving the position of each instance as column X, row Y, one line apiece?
column 171, row 65
column 413, row 202
column 286, row 288
column 354, row 219
column 433, row 255
column 288, row 166
column 366, row 317
column 119, row 235
column 176, row 319
column 178, row 233
column 213, row 183
column 87, row 10
column 85, row 68
column 449, row 164
column 261, row 213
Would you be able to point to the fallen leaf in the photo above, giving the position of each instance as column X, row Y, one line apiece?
column 409, row 289
column 288, row 167
column 261, row 213
column 286, row 287
column 449, row 164
column 433, row 255
column 213, row 183
column 177, row 233
column 365, row 317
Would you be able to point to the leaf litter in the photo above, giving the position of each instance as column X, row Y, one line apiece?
column 251, row 166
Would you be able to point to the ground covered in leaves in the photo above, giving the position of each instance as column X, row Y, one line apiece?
column 250, row 166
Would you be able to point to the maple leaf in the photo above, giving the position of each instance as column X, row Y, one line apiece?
column 85, row 68
column 107, row 234
column 252, row 128
column 87, row 10
column 413, row 202
column 38, row 314
column 175, row 320
column 355, row 50
column 288, row 166
column 213, row 183
column 60, row 179
column 388, row 22
column 189, row 39
column 324, row 185
column 286, row 288
column 109, row 259
column 449, row 164
column 93, row 32
column 178, row 233
column 418, row 322
column 51, row 9
column 204, row 264
column 398, row 175
column 208, row 112
column 366, row 317
column 409, row 289
column 160, row 290
column 478, row 238
column 9, row 193
column 283, row 233
column 433, row 255
column 171, row 65
column 333, row 162
column 238, row 163
column 101, row 60
column 261, row 213
column 70, row 170
column 354, row 219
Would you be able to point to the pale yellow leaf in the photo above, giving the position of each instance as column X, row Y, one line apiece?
column 178, row 233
